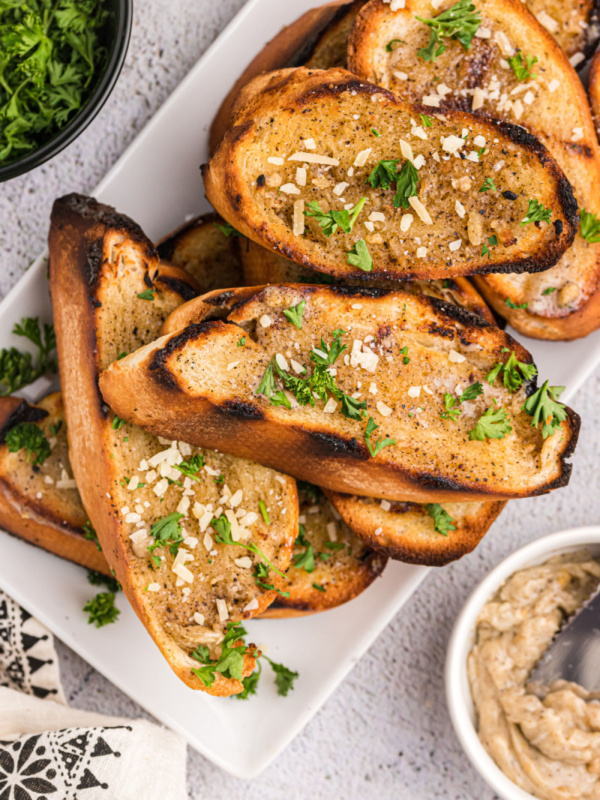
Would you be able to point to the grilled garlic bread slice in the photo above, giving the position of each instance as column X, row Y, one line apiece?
column 594, row 91
column 494, row 78
column 206, row 249
column 389, row 368
column 39, row 502
column 262, row 266
column 311, row 165
column 110, row 296
column 432, row 535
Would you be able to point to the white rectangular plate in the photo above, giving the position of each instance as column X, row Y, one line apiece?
column 158, row 183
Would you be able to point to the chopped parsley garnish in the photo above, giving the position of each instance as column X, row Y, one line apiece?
column 330, row 221
column 544, row 406
column 521, row 65
column 452, row 403
column 306, row 559
column 404, row 353
column 284, row 677
column 228, row 230
column 222, row 528
column 52, row 55
column 54, row 429
column 91, row 535
column 386, row 172
column 98, row 579
column 121, row 355
column 319, row 587
column 487, row 185
column 589, row 226
column 493, row 424
column 220, row 480
column 250, row 684
column 230, row 664
column 425, row 120
column 376, row 448
column 492, row 241
column 295, row 313
column 442, row 521
column 461, row 22
column 191, row 467
column 261, row 575
column 360, row 257
column 17, row 368
column 167, row 531
column 242, row 341
column 29, row 437
column 511, row 304
column 117, row 423
column 513, row 372
column 550, row 289
column 101, row 609
column 393, row 44
column 264, row 513
column 536, row 212
column 148, row 294
column 375, row 132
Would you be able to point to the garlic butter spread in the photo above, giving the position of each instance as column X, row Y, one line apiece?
column 547, row 743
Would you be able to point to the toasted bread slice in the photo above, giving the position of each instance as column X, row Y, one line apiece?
column 574, row 25
column 209, row 377
column 561, row 303
column 594, row 90
column 331, row 564
column 204, row 251
column 262, row 266
column 256, row 181
column 103, row 274
column 405, row 531
column 40, row 503
column 318, row 39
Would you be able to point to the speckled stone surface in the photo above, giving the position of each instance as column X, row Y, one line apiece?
column 385, row 733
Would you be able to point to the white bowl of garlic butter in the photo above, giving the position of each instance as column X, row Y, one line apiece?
column 458, row 692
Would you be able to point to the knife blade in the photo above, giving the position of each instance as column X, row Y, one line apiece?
column 574, row 654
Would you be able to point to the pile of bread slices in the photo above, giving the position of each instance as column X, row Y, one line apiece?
column 270, row 403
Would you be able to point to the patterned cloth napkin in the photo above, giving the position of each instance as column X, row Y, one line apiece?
column 51, row 752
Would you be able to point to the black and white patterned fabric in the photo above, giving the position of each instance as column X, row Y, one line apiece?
column 49, row 751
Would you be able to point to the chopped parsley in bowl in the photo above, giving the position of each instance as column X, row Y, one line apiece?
column 59, row 60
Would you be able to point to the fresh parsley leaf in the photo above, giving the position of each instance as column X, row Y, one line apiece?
column 167, row 531
column 375, row 132
column 230, row 664
column 191, row 467
column 295, row 313
column 330, row 221
column 305, row 560
column 452, row 406
column 380, row 444
column 536, row 212
column 250, row 684
column 425, row 120
column 353, row 409
column 461, row 22
column 492, row 241
column 521, row 65
column 242, row 341
column 487, row 185
column 279, row 399
column 442, row 521
column 54, row 429
column 148, row 294
column 98, row 579
column 319, row 587
column 91, row 535
column 514, row 305
column 121, row 355
column 471, row 392
column 551, row 289
column 101, row 609
column 393, row 45
column 514, row 373
column 589, row 226
column 386, row 172
column 267, row 384
column 544, row 406
column 360, row 257
column 404, row 352
column 493, row 424
column 117, row 423
column 29, row 437
column 17, row 368
column 222, row 528
column 284, row 677
column 228, row 230
column 264, row 512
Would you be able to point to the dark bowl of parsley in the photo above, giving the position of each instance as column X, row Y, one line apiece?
column 59, row 61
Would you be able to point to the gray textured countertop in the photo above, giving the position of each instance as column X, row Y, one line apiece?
column 385, row 733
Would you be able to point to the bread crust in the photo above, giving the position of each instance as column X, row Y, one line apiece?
column 271, row 101
column 82, row 232
column 564, row 303
column 405, row 532
column 153, row 378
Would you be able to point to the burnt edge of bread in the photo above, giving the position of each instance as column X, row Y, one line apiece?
column 552, row 252
column 167, row 245
column 177, row 285
column 22, row 413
